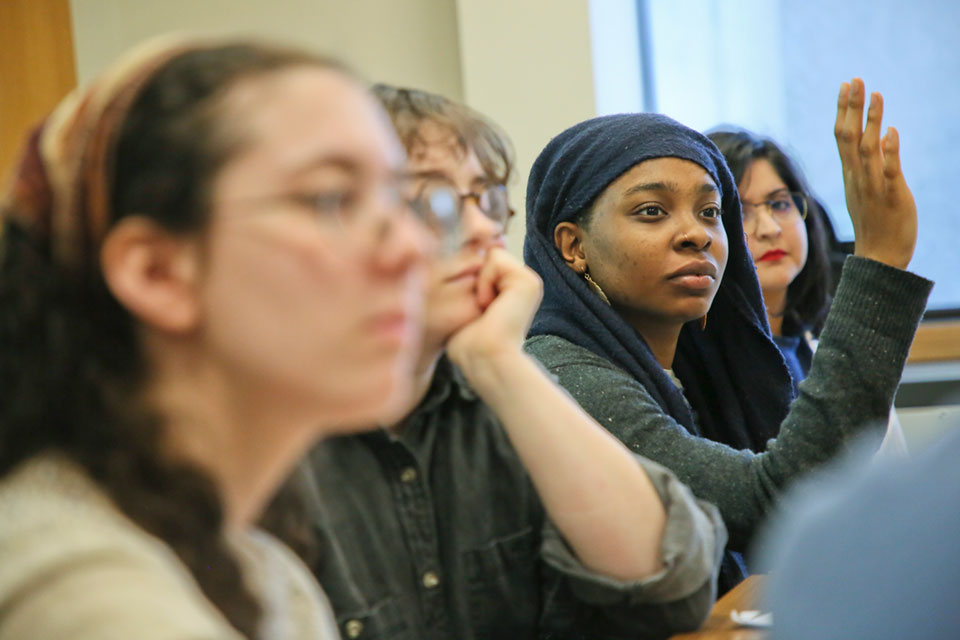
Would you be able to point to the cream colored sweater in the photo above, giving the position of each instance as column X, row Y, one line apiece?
column 72, row 566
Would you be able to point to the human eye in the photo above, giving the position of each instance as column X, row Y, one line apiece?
column 438, row 206
column 711, row 213
column 649, row 211
column 326, row 203
column 781, row 204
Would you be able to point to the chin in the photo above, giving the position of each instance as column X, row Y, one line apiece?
column 444, row 321
column 380, row 405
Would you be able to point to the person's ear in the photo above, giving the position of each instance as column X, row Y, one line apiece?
column 153, row 273
column 568, row 238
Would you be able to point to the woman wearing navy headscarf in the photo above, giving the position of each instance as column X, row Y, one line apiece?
column 653, row 319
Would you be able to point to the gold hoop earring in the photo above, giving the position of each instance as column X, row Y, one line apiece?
column 596, row 288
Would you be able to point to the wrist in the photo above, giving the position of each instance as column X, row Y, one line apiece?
column 898, row 260
column 489, row 372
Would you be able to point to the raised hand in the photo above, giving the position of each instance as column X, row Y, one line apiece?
column 879, row 201
column 508, row 293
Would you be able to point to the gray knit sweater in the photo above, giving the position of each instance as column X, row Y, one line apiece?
column 848, row 392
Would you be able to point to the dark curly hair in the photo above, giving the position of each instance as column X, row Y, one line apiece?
column 808, row 296
column 72, row 368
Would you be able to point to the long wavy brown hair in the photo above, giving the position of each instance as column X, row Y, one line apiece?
column 72, row 369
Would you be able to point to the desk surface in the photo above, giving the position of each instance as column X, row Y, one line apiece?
column 719, row 626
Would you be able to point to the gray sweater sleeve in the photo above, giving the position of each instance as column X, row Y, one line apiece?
column 849, row 390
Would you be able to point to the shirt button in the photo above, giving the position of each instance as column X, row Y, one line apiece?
column 408, row 475
column 353, row 628
column 431, row 580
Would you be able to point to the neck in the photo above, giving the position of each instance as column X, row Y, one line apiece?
column 422, row 377
column 661, row 337
column 236, row 432
column 776, row 303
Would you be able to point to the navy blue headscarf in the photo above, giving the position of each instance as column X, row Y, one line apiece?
column 732, row 373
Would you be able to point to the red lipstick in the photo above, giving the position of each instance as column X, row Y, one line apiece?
column 772, row 256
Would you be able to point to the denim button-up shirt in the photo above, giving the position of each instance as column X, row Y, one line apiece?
column 438, row 533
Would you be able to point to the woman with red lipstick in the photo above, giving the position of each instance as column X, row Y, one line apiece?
column 653, row 318
column 784, row 227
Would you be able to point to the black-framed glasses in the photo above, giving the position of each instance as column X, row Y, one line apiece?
column 440, row 205
column 784, row 207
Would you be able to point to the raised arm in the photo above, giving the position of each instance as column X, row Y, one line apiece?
column 856, row 369
column 879, row 201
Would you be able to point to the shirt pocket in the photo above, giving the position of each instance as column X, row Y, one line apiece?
column 381, row 621
column 503, row 586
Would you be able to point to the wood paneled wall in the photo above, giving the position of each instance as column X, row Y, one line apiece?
column 37, row 68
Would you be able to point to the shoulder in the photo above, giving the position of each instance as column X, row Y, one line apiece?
column 614, row 398
column 294, row 605
column 75, row 566
column 555, row 352
column 582, row 372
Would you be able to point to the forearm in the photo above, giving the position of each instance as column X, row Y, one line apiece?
column 594, row 491
column 857, row 365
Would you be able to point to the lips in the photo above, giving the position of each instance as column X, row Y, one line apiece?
column 697, row 277
column 466, row 272
column 772, row 256
column 396, row 326
column 698, row 268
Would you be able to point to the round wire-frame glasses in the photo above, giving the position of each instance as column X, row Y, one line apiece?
column 783, row 207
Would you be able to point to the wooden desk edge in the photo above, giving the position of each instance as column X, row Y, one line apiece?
column 745, row 595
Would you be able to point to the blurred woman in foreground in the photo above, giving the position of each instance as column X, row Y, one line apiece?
column 204, row 266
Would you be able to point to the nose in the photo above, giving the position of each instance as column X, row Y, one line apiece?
column 767, row 227
column 479, row 231
column 403, row 241
column 692, row 234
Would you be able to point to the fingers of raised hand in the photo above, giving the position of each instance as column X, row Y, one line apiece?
column 841, row 110
column 849, row 119
column 870, row 151
column 870, row 139
column 891, row 155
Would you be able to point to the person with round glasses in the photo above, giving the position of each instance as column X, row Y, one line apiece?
column 442, row 206
column 785, row 231
column 496, row 508
column 786, row 239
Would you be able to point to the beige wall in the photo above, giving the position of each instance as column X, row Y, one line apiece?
column 527, row 65
column 524, row 63
column 411, row 42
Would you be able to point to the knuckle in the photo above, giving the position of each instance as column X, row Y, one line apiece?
column 845, row 135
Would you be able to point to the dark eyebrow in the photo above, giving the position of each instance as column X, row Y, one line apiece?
column 667, row 186
column 480, row 182
column 709, row 187
column 429, row 174
column 344, row 163
column 784, row 190
column 322, row 162
column 652, row 186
